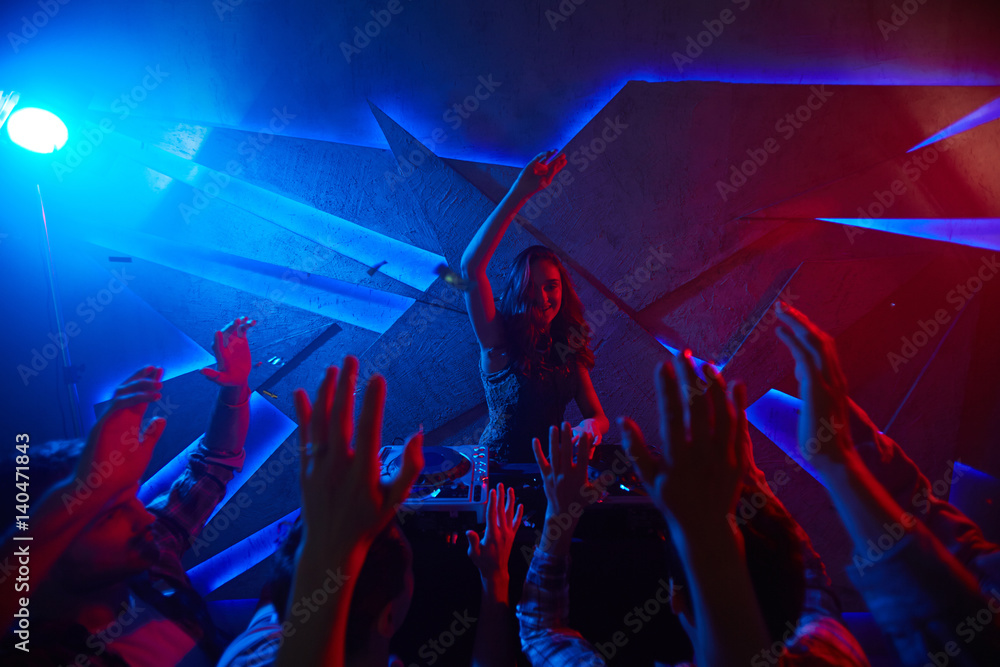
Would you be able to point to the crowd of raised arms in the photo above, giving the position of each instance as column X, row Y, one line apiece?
column 108, row 586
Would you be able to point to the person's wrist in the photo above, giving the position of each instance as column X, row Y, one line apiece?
column 557, row 532
column 495, row 585
column 708, row 535
column 833, row 471
column 522, row 191
column 319, row 554
column 697, row 526
column 565, row 519
column 835, row 475
column 235, row 395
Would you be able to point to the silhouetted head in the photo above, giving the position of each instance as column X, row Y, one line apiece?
column 542, row 314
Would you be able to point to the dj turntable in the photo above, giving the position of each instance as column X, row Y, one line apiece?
column 453, row 480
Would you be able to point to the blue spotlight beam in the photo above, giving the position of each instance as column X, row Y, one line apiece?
column 776, row 415
column 237, row 559
column 983, row 114
column 361, row 306
column 404, row 262
column 269, row 427
column 974, row 232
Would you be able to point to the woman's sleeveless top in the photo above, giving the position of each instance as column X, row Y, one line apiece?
column 522, row 408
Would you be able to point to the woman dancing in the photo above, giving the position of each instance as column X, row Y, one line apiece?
column 535, row 354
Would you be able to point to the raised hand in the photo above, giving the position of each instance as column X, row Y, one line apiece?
column 565, row 481
column 538, row 174
column 698, row 480
column 118, row 446
column 755, row 477
column 232, row 354
column 824, row 434
column 345, row 504
column 491, row 554
column 111, row 464
column 588, row 427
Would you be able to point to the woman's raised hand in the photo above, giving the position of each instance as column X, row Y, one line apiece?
column 539, row 173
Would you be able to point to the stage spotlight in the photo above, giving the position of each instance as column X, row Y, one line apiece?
column 37, row 130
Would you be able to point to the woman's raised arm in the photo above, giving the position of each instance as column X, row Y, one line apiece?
column 479, row 299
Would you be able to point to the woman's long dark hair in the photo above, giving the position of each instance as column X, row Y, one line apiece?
column 568, row 341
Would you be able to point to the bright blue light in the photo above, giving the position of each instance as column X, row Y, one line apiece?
column 776, row 415
column 38, row 130
column 974, row 232
column 983, row 114
column 237, row 559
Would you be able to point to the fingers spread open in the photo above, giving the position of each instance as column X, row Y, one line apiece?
column 218, row 344
column 211, row 373
column 804, row 362
column 148, row 371
column 635, row 445
column 671, row 406
column 744, row 447
column 584, row 449
column 695, row 401
column 413, row 463
column 566, row 447
column 543, row 463
column 321, row 413
column 509, row 505
column 303, row 413
column 473, row 538
column 554, row 446
column 245, row 324
column 493, row 509
column 810, row 337
column 140, row 386
column 342, row 415
column 722, row 412
column 370, row 425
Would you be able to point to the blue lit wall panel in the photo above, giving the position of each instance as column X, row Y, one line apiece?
column 977, row 233
column 269, row 427
column 214, row 572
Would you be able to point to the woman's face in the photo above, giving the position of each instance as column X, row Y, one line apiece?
column 544, row 290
